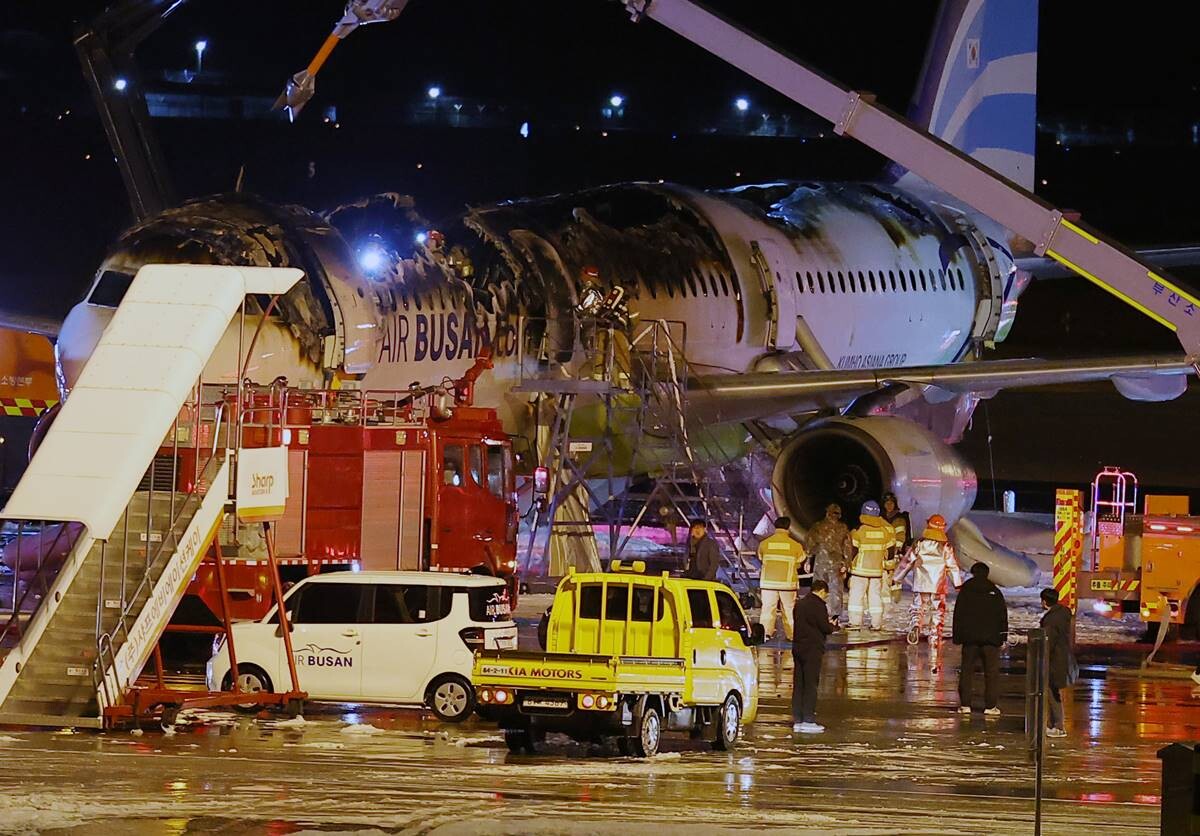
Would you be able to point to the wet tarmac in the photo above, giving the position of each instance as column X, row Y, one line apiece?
column 896, row 758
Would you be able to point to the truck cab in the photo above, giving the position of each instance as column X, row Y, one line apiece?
column 628, row 657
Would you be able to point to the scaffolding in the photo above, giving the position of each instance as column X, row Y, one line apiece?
column 610, row 399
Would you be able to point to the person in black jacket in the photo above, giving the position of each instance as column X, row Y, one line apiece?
column 1056, row 621
column 704, row 557
column 810, row 626
column 981, row 628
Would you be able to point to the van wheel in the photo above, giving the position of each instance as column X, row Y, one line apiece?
column 647, row 733
column 451, row 698
column 251, row 680
column 729, row 724
column 519, row 741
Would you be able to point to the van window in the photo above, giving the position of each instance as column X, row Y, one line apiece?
column 700, row 607
column 730, row 612
column 399, row 604
column 489, row 603
column 495, row 471
column 589, row 600
column 328, row 603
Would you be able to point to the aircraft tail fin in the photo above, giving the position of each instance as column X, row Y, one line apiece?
column 978, row 87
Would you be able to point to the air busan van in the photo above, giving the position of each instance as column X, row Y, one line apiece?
column 403, row 638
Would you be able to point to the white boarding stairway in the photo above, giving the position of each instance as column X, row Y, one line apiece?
column 78, row 635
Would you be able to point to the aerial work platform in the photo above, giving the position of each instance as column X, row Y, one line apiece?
column 101, row 548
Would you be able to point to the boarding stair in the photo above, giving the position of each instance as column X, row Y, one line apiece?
column 101, row 545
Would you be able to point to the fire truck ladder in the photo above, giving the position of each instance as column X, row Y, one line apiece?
column 857, row 115
column 102, row 544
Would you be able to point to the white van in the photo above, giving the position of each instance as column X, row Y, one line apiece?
column 405, row 638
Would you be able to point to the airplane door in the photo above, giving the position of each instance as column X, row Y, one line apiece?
column 775, row 277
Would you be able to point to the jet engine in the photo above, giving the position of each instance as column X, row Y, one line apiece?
column 851, row 460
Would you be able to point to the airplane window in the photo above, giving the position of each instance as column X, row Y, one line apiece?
column 892, row 279
column 842, row 282
column 737, row 286
column 703, row 282
column 903, row 282
column 942, row 274
column 962, row 284
column 810, row 281
column 690, row 280
column 724, row 286
column 821, row 280
column 799, row 283
column 924, row 286
column 871, row 279
column 912, row 280
column 670, row 289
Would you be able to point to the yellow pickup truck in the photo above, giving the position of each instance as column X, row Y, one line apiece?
column 628, row 656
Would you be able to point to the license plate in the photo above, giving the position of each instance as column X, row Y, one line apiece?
column 557, row 703
column 1102, row 586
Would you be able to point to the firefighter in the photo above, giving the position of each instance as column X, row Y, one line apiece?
column 828, row 544
column 873, row 543
column 782, row 559
column 934, row 565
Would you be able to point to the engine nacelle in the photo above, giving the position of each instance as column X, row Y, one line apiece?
column 851, row 460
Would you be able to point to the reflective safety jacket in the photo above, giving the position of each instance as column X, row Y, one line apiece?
column 932, row 563
column 873, row 539
column 781, row 558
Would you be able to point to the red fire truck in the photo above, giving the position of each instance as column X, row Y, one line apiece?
column 416, row 479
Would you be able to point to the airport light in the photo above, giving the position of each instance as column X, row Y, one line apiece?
column 422, row 237
column 434, row 92
column 616, row 100
column 200, row 45
column 742, row 105
column 120, row 84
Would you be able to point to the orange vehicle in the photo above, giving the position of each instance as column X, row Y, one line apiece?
column 1147, row 563
column 406, row 480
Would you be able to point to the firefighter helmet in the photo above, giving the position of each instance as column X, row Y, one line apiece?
column 870, row 508
column 937, row 521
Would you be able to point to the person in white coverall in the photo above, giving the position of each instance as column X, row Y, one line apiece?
column 782, row 560
column 934, row 565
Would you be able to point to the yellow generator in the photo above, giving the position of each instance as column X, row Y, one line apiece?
column 1147, row 562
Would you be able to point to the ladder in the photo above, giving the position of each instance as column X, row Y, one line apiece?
column 635, row 385
column 101, row 551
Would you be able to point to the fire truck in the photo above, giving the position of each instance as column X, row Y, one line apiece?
column 418, row 479
column 1147, row 563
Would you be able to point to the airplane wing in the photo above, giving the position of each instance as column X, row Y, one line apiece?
column 730, row 398
column 1044, row 267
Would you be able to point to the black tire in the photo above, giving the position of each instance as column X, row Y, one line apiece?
column 729, row 724
column 451, row 698
column 519, row 741
column 251, row 679
column 647, row 733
